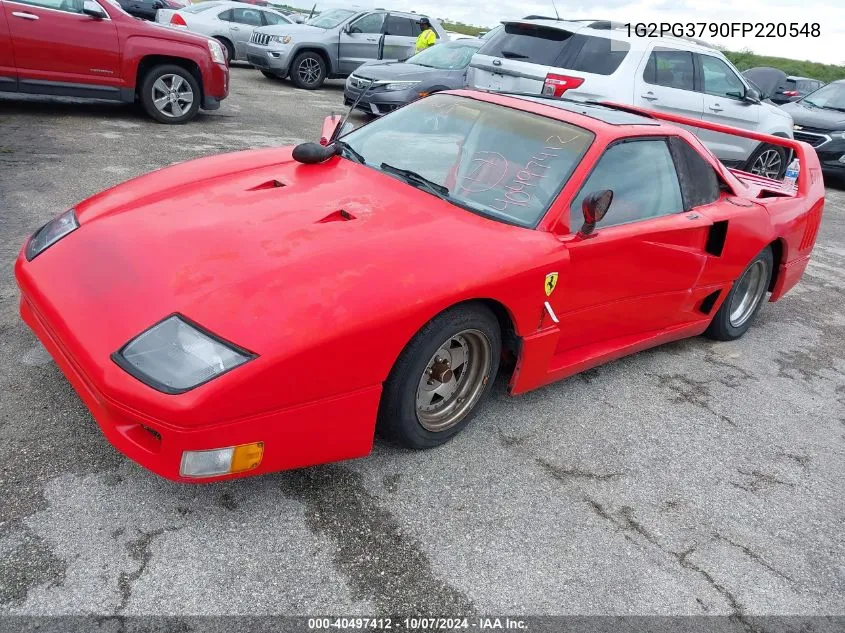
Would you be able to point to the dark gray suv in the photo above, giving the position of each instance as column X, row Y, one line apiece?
column 334, row 43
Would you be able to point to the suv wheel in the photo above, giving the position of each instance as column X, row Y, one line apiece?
column 768, row 161
column 308, row 71
column 170, row 94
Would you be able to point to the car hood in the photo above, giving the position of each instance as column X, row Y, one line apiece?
column 395, row 71
column 308, row 248
column 819, row 118
column 304, row 30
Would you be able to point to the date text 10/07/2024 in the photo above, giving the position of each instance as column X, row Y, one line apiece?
column 723, row 29
column 418, row 623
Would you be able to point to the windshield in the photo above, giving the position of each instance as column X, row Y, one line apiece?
column 330, row 19
column 499, row 162
column 446, row 56
column 830, row 97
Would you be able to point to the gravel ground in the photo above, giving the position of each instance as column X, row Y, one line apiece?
column 696, row 478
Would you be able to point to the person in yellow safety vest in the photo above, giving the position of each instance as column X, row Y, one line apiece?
column 427, row 38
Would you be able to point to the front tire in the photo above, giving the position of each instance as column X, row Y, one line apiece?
column 768, row 161
column 308, row 71
column 441, row 377
column 744, row 300
column 170, row 94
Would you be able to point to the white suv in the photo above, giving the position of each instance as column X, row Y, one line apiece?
column 597, row 61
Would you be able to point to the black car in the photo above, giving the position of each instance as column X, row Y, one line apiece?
column 778, row 86
column 819, row 120
column 144, row 9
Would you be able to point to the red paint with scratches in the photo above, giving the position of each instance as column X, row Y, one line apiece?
column 329, row 305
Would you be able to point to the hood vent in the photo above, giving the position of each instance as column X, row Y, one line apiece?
column 337, row 216
column 270, row 184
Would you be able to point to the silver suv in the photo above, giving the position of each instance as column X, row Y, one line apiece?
column 591, row 60
column 335, row 43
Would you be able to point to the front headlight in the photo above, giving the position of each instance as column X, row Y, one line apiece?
column 281, row 39
column 51, row 233
column 400, row 85
column 840, row 134
column 218, row 55
column 175, row 356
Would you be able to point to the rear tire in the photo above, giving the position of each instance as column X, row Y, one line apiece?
column 165, row 80
column 308, row 71
column 441, row 378
column 768, row 161
column 744, row 301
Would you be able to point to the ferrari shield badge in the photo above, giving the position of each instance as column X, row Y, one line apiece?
column 551, row 283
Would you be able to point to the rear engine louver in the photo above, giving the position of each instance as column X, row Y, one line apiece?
column 811, row 229
column 270, row 184
column 337, row 216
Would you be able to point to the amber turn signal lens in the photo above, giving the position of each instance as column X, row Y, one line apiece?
column 247, row 457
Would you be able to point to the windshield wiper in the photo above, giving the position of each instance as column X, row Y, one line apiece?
column 827, row 107
column 354, row 155
column 511, row 55
column 414, row 178
column 815, row 105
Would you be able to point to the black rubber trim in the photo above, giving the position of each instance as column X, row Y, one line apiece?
column 148, row 380
column 709, row 301
column 716, row 238
column 63, row 89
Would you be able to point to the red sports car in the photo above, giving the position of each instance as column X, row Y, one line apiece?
column 253, row 312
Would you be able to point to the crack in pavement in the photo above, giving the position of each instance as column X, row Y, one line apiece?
column 626, row 522
column 381, row 563
column 753, row 556
column 695, row 392
column 759, row 481
column 566, row 475
column 140, row 550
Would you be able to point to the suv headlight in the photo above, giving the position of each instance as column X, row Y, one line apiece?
column 50, row 233
column 218, row 55
column 840, row 134
column 281, row 39
column 175, row 356
column 400, row 85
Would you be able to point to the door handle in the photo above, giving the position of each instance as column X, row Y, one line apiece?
column 716, row 107
column 235, row 28
column 649, row 96
column 372, row 39
column 25, row 16
column 497, row 62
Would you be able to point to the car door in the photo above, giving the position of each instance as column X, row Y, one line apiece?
column 361, row 41
column 634, row 275
column 400, row 37
column 665, row 81
column 60, row 50
column 242, row 22
column 8, row 73
column 724, row 103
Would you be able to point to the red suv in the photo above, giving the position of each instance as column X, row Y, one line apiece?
column 93, row 49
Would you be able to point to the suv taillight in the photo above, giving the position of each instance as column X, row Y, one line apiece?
column 178, row 20
column 556, row 85
column 790, row 93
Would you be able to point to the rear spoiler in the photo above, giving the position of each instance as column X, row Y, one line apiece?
column 802, row 150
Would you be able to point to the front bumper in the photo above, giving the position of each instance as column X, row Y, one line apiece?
column 272, row 60
column 215, row 86
column 379, row 102
column 327, row 430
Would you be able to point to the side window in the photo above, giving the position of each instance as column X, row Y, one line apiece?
column 643, row 179
column 272, row 19
column 719, row 79
column 227, row 16
column 673, row 69
column 399, row 26
column 700, row 184
column 590, row 54
column 370, row 23
column 70, row 6
column 251, row 17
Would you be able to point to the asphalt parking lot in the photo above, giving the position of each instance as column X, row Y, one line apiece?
column 697, row 478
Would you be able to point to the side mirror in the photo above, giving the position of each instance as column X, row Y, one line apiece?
column 94, row 10
column 594, row 208
column 752, row 96
column 312, row 153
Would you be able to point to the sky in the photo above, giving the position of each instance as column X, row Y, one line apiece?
column 828, row 48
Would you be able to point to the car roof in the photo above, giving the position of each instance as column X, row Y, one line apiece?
column 616, row 31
